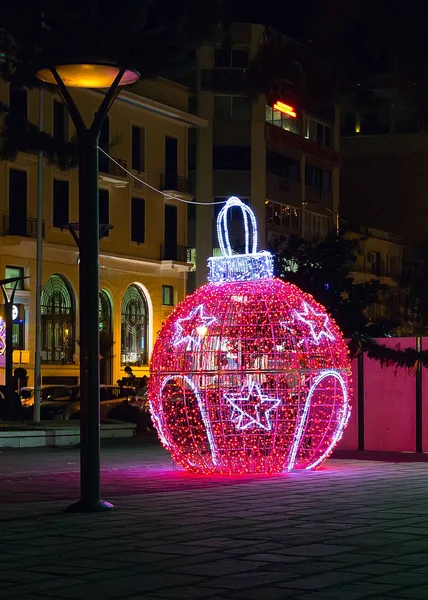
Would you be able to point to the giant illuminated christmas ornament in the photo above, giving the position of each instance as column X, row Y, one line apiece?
column 249, row 374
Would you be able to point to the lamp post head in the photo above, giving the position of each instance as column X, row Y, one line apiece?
column 87, row 75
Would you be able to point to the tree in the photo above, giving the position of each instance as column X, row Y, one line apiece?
column 150, row 36
column 323, row 269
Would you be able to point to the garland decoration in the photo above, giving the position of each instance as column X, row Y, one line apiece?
column 408, row 358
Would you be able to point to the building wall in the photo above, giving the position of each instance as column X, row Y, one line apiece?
column 246, row 128
column 122, row 261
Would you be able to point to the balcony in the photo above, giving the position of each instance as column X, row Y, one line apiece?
column 110, row 172
column 175, row 253
column 176, row 185
column 223, row 80
column 22, row 227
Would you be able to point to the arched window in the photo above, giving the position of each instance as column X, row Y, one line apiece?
column 134, row 327
column 106, row 337
column 58, row 317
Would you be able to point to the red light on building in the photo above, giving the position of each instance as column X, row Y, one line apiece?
column 285, row 108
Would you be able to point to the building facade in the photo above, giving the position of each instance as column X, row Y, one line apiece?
column 143, row 259
column 282, row 159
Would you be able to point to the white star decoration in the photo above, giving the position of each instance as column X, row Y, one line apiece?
column 253, row 408
column 317, row 323
column 192, row 329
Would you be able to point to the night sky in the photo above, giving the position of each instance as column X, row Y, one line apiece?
column 288, row 17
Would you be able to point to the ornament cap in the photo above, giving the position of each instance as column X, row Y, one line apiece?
column 251, row 265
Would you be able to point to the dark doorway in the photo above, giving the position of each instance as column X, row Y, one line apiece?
column 106, row 338
column 170, row 232
column 171, row 155
column 17, row 202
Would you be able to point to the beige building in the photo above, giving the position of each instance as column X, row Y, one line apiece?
column 282, row 159
column 143, row 259
column 380, row 256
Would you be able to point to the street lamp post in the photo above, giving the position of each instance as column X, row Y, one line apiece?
column 89, row 76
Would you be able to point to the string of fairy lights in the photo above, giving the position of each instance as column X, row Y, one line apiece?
column 249, row 374
column 154, row 189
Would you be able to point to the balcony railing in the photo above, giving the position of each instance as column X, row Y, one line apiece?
column 176, row 253
column 110, row 167
column 23, row 227
column 178, row 183
column 223, row 80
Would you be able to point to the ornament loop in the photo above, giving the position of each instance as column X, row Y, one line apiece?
column 223, row 232
column 251, row 265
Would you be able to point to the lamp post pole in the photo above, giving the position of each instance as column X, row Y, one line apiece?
column 87, row 139
column 89, row 324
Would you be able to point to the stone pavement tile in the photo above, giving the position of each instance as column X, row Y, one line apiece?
column 323, row 580
column 220, row 567
column 185, row 593
column 275, row 558
column 415, row 593
column 242, row 581
column 48, row 587
column 410, row 578
column 303, row 569
column 266, row 593
column 376, row 568
column 59, row 570
column 318, row 550
column 176, row 563
column 220, row 542
column 124, row 586
column 416, row 560
column 362, row 590
column 23, row 576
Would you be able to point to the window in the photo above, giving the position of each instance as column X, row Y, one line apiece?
column 134, row 328
column 282, row 166
column 317, row 226
column 104, row 204
column 233, row 214
column 57, row 308
column 18, row 101
column 60, row 121
column 279, row 119
column 318, row 178
column 236, row 57
column 138, row 220
column 167, row 295
column 232, row 158
column 138, row 150
column 60, row 212
column 319, row 132
column 17, row 202
column 232, row 107
column 14, row 272
column 192, row 157
column 283, row 215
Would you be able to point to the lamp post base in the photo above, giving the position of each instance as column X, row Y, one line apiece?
column 83, row 506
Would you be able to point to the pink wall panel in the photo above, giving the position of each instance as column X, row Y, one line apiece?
column 349, row 440
column 389, row 403
column 424, row 401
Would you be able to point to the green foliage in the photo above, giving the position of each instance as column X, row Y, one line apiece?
column 323, row 269
column 153, row 37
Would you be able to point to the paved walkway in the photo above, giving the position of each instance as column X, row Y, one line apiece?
column 353, row 530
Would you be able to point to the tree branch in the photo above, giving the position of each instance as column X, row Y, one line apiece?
column 106, row 104
column 69, row 102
